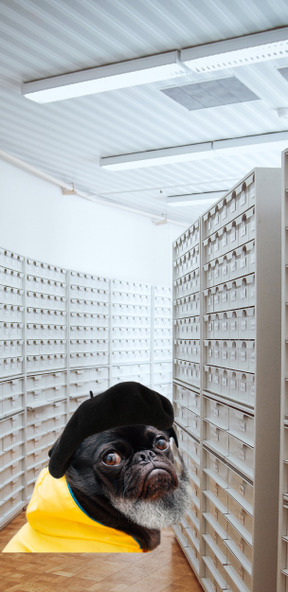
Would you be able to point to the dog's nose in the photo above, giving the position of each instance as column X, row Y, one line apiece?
column 144, row 456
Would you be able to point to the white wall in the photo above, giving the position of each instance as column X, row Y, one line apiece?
column 37, row 221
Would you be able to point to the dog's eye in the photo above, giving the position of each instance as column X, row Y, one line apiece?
column 162, row 444
column 112, row 459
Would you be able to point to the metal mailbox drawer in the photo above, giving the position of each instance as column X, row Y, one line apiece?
column 10, row 277
column 214, row 580
column 10, row 295
column 240, row 490
column 238, row 579
column 188, row 284
column 239, row 547
column 192, row 468
column 37, row 442
column 215, row 511
column 214, row 540
column 11, row 366
column 212, row 380
column 188, row 398
column 241, row 455
column 240, row 519
column 188, row 372
column 247, row 323
column 187, row 240
column 11, row 260
column 11, row 396
column 187, row 349
column 189, row 445
column 216, row 438
column 216, row 468
column 186, row 306
column 11, row 431
column 241, row 425
column 216, row 413
column 46, row 394
column 45, row 270
column 39, row 456
column 239, row 354
column 188, row 328
column 12, row 503
column 213, row 351
column 217, row 493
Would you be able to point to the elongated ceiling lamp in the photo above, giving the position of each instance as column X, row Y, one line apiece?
column 189, row 152
column 193, row 199
column 238, row 51
column 105, row 78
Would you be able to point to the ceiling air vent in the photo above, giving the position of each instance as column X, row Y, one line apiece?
column 212, row 93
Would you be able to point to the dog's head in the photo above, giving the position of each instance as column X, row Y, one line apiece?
column 120, row 469
column 132, row 469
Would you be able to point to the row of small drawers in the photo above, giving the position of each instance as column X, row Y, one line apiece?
column 235, row 294
column 234, row 264
column 127, row 364
column 233, row 204
column 10, row 349
column 12, row 278
column 46, row 362
column 79, row 319
column 234, row 354
column 224, row 211
column 233, row 421
column 87, row 280
column 230, row 237
column 120, row 329
column 187, row 284
column 11, row 260
column 186, row 241
column 236, row 452
column 187, row 262
column 234, row 385
column 46, row 301
column 231, row 295
column 234, row 324
column 227, row 239
column 79, row 295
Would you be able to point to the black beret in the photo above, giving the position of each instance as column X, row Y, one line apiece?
column 126, row 403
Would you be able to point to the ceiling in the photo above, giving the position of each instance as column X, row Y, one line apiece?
column 66, row 139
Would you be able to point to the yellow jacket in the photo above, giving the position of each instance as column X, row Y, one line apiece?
column 58, row 524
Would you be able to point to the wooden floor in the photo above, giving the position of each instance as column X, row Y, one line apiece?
column 164, row 570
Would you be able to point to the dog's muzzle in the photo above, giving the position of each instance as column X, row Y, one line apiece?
column 157, row 482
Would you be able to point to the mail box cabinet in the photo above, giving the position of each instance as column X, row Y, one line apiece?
column 226, row 392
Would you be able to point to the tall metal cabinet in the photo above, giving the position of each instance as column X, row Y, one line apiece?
column 63, row 333
column 226, row 391
column 283, row 499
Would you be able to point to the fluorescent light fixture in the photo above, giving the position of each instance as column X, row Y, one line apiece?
column 105, row 78
column 239, row 51
column 190, row 152
column 195, row 199
column 150, row 158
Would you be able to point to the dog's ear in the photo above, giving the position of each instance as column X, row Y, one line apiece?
column 172, row 434
column 124, row 404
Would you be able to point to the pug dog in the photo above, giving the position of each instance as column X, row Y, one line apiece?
column 126, row 478
column 112, row 482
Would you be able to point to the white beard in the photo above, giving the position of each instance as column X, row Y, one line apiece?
column 158, row 514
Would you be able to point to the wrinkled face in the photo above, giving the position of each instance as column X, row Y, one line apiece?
column 133, row 468
column 136, row 463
